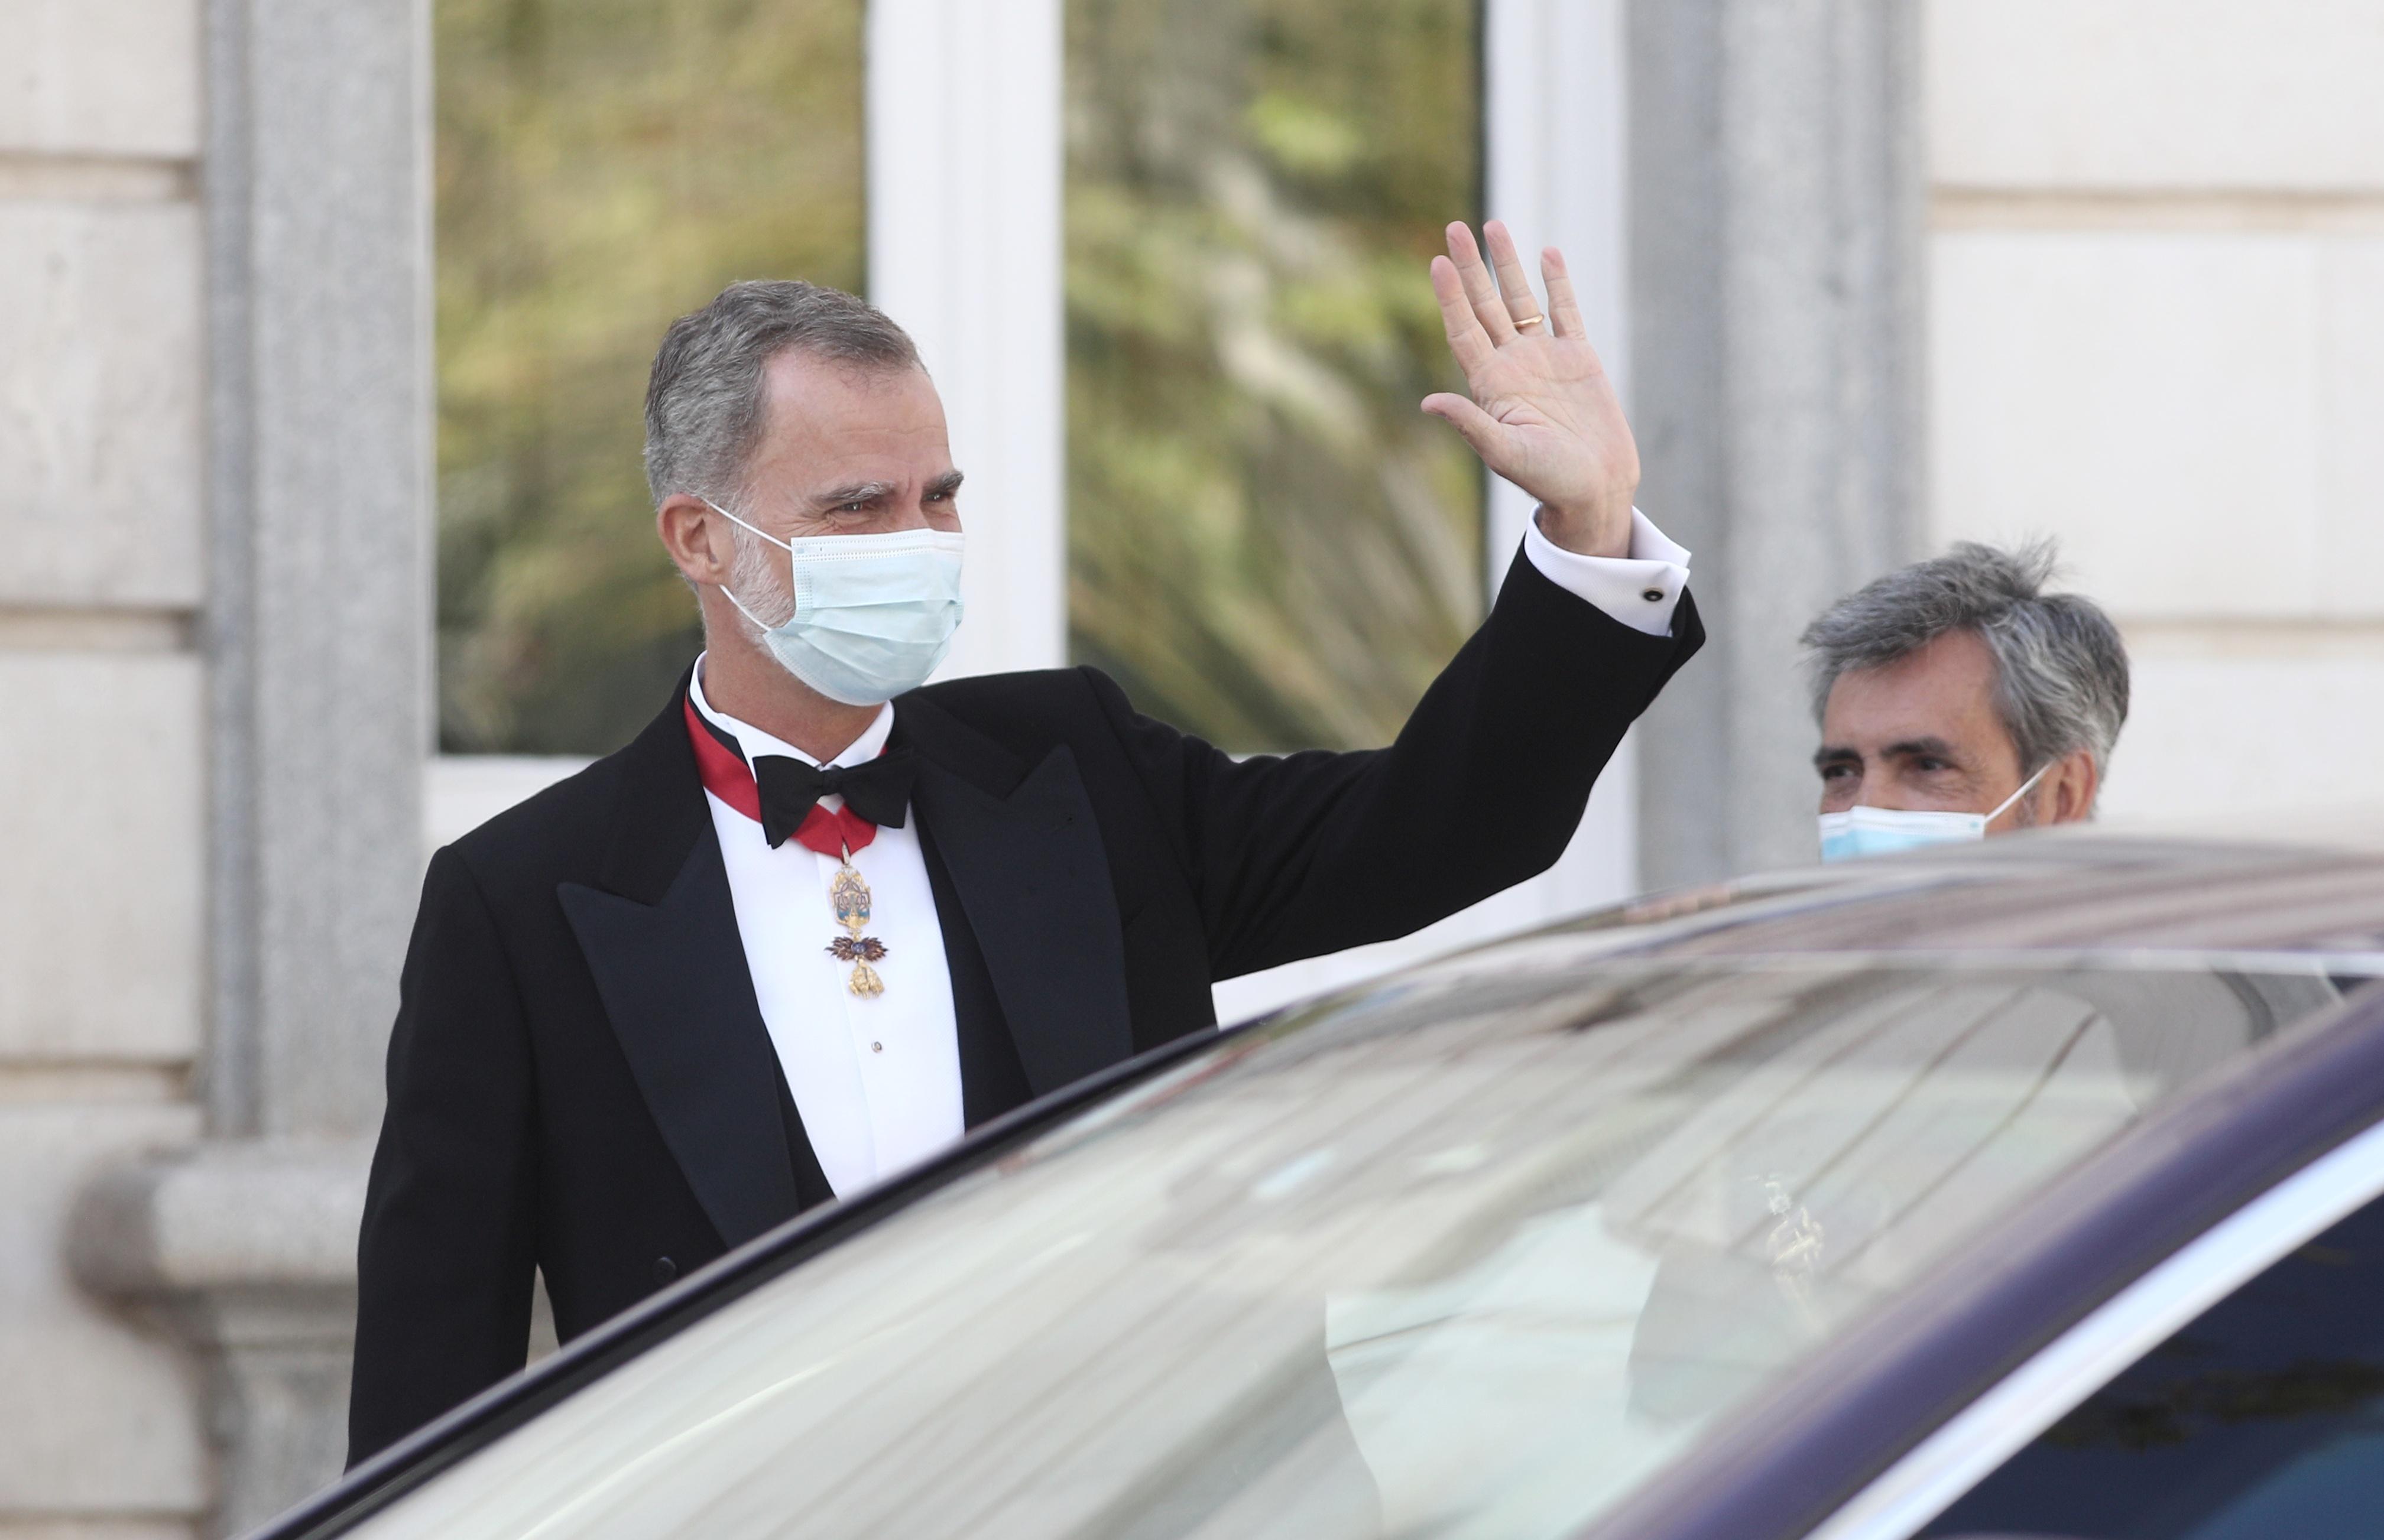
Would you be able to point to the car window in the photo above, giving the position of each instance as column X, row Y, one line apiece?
column 1469, row 1254
column 2263, row 1420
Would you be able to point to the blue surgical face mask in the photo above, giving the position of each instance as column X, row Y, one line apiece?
column 1885, row 830
column 874, row 613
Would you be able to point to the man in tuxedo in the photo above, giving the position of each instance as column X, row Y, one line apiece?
column 818, row 919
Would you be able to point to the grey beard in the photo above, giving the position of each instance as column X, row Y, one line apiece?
column 753, row 578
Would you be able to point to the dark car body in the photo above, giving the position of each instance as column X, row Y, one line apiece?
column 1762, row 1426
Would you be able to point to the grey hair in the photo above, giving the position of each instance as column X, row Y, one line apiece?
column 704, row 399
column 2061, row 671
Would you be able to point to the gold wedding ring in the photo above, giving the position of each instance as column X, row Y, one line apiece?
column 1528, row 321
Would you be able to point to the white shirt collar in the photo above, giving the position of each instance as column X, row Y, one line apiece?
column 756, row 743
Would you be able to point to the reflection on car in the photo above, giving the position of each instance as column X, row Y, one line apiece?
column 2020, row 1190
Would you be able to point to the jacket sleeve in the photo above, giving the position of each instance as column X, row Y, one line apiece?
column 1291, row 857
column 448, row 1246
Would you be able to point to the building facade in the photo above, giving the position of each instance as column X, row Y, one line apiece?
column 1877, row 275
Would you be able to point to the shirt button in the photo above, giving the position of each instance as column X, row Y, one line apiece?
column 877, row 1048
column 1653, row 596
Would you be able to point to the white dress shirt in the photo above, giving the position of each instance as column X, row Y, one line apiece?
column 877, row 1080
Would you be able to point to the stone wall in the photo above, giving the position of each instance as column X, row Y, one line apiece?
column 2156, row 331
column 102, row 768
column 214, row 638
column 1776, row 185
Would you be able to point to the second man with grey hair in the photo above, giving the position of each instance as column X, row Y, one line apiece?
column 1957, row 699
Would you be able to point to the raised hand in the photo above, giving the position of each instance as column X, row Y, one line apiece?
column 1543, row 412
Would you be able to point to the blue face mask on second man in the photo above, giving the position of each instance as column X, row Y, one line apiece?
column 1885, row 830
column 874, row 613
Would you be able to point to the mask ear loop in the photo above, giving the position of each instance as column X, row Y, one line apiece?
column 739, row 603
column 2024, row 786
column 764, row 534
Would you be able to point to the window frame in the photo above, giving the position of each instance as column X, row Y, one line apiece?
column 2060, row 1377
column 1794, row 1461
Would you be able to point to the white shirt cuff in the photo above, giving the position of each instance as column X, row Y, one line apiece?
column 1640, row 590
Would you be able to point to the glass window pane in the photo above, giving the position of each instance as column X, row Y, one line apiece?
column 2265, row 1418
column 603, row 166
column 1269, row 544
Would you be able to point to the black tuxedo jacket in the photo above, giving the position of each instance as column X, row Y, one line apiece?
column 579, row 1080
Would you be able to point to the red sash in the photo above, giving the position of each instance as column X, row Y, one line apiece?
column 727, row 777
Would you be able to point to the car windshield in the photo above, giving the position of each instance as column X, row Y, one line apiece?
column 1472, row 1254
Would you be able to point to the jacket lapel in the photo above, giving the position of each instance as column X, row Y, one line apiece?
column 1025, row 856
column 659, row 934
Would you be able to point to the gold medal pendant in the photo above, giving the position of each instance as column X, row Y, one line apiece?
column 848, row 896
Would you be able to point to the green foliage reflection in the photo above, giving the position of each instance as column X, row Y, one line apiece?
column 603, row 167
column 1267, row 544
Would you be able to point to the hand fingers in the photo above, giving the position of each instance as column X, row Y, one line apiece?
column 1522, row 306
column 1479, row 291
column 1466, row 339
column 1481, row 430
column 1564, row 309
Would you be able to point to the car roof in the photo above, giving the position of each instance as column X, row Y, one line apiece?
column 2052, row 891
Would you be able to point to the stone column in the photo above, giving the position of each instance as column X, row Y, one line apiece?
column 316, row 633
column 1777, row 201
column 245, row 1251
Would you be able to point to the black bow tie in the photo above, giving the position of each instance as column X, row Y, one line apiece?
column 879, row 789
